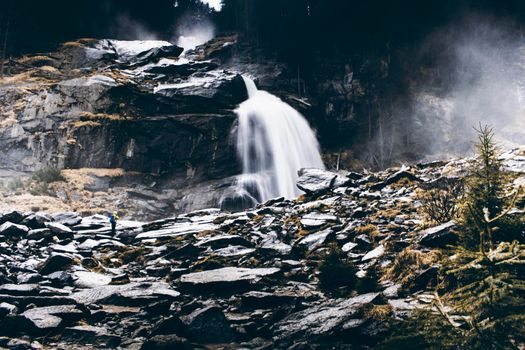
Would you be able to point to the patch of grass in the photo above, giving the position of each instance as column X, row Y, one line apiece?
column 388, row 214
column 408, row 264
column 335, row 271
column 379, row 312
column 134, row 254
column 370, row 230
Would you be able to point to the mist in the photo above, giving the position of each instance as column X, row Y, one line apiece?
column 127, row 28
column 191, row 33
column 478, row 76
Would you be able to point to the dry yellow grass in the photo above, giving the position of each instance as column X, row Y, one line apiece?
column 10, row 120
column 49, row 69
column 17, row 78
column 99, row 116
column 34, row 59
column 369, row 230
column 379, row 312
column 28, row 202
column 81, row 123
column 408, row 263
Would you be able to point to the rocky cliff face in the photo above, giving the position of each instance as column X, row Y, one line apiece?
column 135, row 106
column 212, row 279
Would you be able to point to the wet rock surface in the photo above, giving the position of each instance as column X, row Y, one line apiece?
column 215, row 279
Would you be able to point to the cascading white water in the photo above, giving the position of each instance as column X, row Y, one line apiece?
column 274, row 141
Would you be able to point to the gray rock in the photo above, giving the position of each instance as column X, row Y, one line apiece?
column 49, row 318
column 126, row 294
column 222, row 241
column 36, row 220
column 438, row 236
column 59, row 229
column 401, row 174
column 67, row 218
column 10, row 229
column 276, row 247
column 208, row 326
column 87, row 334
column 19, row 289
column 167, row 342
column 324, row 320
column 236, row 250
column 39, row 234
column 314, row 240
column 226, row 277
column 14, row 216
column 56, row 262
column 7, row 309
column 315, row 220
column 264, row 300
column 315, row 181
column 376, row 253
column 348, row 247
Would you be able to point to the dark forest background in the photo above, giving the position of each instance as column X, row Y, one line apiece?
column 291, row 27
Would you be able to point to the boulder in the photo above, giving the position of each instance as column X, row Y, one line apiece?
column 10, row 229
column 208, row 326
column 39, row 234
column 313, row 241
column 56, row 262
column 226, row 278
column 37, row 220
column 315, row 181
column 87, row 334
column 7, row 309
column 67, row 218
column 401, row 174
column 14, row 216
column 42, row 320
column 320, row 321
column 20, row 289
column 222, row 241
column 438, row 236
column 59, row 229
column 134, row 293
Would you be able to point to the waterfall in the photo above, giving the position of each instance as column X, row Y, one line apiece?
column 274, row 141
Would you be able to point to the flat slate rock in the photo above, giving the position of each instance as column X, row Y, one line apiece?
column 314, row 240
column 321, row 320
column 67, row 218
column 19, row 289
column 125, row 294
column 227, row 276
column 51, row 317
column 315, row 181
column 438, row 236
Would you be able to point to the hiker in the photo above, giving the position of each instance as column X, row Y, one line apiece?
column 113, row 218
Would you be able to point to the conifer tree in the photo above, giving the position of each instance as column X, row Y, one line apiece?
column 485, row 199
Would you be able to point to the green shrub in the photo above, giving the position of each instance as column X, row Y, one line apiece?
column 439, row 205
column 41, row 189
column 47, row 175
column 15, row 184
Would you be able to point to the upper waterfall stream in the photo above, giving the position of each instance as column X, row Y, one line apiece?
column 274, row 141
